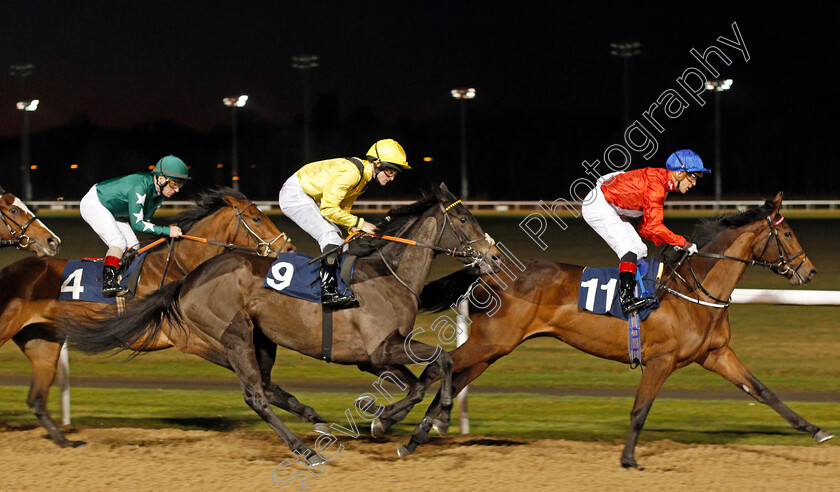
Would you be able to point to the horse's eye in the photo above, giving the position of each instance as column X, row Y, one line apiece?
column 13, row 210
column 463, row 220
column 787, row 234
column 257, row 220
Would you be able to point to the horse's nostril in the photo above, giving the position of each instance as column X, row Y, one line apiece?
column 51, row 241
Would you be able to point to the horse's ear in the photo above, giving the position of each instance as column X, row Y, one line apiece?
column 443, row 188
column 229, row 200
column 777, row 203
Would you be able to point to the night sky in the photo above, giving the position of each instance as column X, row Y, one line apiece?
column 122, row 63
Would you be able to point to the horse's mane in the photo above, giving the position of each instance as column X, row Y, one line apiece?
column 207, row 203
column 398, row 217
column 394, row 224
column 708, row 229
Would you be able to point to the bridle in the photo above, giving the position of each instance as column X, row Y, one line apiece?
column 781, row 267
column 464, row 250
column 21, row 240
column 263, row 247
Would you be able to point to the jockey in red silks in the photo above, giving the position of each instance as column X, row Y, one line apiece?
column 639, row 193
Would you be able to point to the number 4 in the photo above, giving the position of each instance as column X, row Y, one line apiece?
column 73, row 284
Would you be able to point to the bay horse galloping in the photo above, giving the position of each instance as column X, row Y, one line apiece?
column 224, row 302
column 22, row 228
column 30, row 286
column 542, row 301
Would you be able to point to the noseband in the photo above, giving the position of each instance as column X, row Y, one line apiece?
column 21, row 240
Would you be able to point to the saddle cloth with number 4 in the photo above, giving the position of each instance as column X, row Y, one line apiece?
column 599, row 288
column 81, row 280
column 291, row 274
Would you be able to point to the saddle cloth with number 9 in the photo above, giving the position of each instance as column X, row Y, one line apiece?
column 291, row 274
column 599, row 288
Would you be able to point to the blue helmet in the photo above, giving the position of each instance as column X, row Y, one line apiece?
column 685, row 160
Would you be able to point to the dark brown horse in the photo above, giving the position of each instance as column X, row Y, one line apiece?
column 224, row 302
column 22, row 229
column 30, row 287
column 542, row 301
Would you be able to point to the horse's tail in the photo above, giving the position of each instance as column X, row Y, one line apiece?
column 137, row 329
column 441, row 294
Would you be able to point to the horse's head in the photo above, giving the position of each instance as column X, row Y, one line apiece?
column 23, row 227
column 224, row 214
column 781, row 249
column 252, row 223
column 463, row 236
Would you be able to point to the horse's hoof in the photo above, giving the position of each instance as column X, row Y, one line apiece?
column 376, row 428
column 315, row 459
column 322, row 428
column 403, row 451
column 71, row 444
column 822, row 436
column 440, row 426
column 629, row 463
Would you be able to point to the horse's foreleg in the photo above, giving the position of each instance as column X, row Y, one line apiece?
column 42, row 346
column 404, row 377
column 266, row 352
column 396, row 350
column 238, row 341
column 656, row 372
column 724, row 362
column 468, row 362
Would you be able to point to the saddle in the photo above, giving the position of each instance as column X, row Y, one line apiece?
column 81, row 280
column 598, row 292
column 292, row 274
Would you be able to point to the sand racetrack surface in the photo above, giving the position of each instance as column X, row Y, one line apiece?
column 167, row 459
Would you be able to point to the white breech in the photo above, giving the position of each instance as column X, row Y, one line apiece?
column 610, row 222
column 303, row 210
column 114, row 233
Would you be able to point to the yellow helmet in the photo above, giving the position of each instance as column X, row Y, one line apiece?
column 389, row 153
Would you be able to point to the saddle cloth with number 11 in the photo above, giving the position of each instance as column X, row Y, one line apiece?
column 599, row 288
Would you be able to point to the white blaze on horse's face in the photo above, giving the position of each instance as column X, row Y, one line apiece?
column 43, row 246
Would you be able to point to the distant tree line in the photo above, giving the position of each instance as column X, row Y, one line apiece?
column 512, row 155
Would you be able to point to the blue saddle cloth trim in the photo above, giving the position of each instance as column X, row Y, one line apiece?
column 291, row 274
column 597, row 296
column 86, row 284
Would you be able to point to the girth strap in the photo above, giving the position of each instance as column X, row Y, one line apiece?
column 326, row 333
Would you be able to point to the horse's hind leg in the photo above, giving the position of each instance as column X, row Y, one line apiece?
column 42, row 346
column 724, row 362
column 266, row 351
column 238, row 340
column 656, row 372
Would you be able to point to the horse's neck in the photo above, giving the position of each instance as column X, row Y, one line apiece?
column 721, row 279
column 414, row 265
column 186, row 254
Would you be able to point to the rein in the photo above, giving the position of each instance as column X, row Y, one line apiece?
column 781, row 267
column 467, row 250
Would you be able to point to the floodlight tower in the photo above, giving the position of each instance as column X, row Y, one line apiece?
column 234, row 103
column 718, row 85
column 464, row 94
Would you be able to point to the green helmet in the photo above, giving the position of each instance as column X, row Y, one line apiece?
column 171, row 167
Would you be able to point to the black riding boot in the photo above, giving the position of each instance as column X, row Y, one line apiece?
column 111, row 281
column 628, row 300
column 330, row 297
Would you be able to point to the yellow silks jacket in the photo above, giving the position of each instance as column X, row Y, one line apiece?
column 334, row 185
